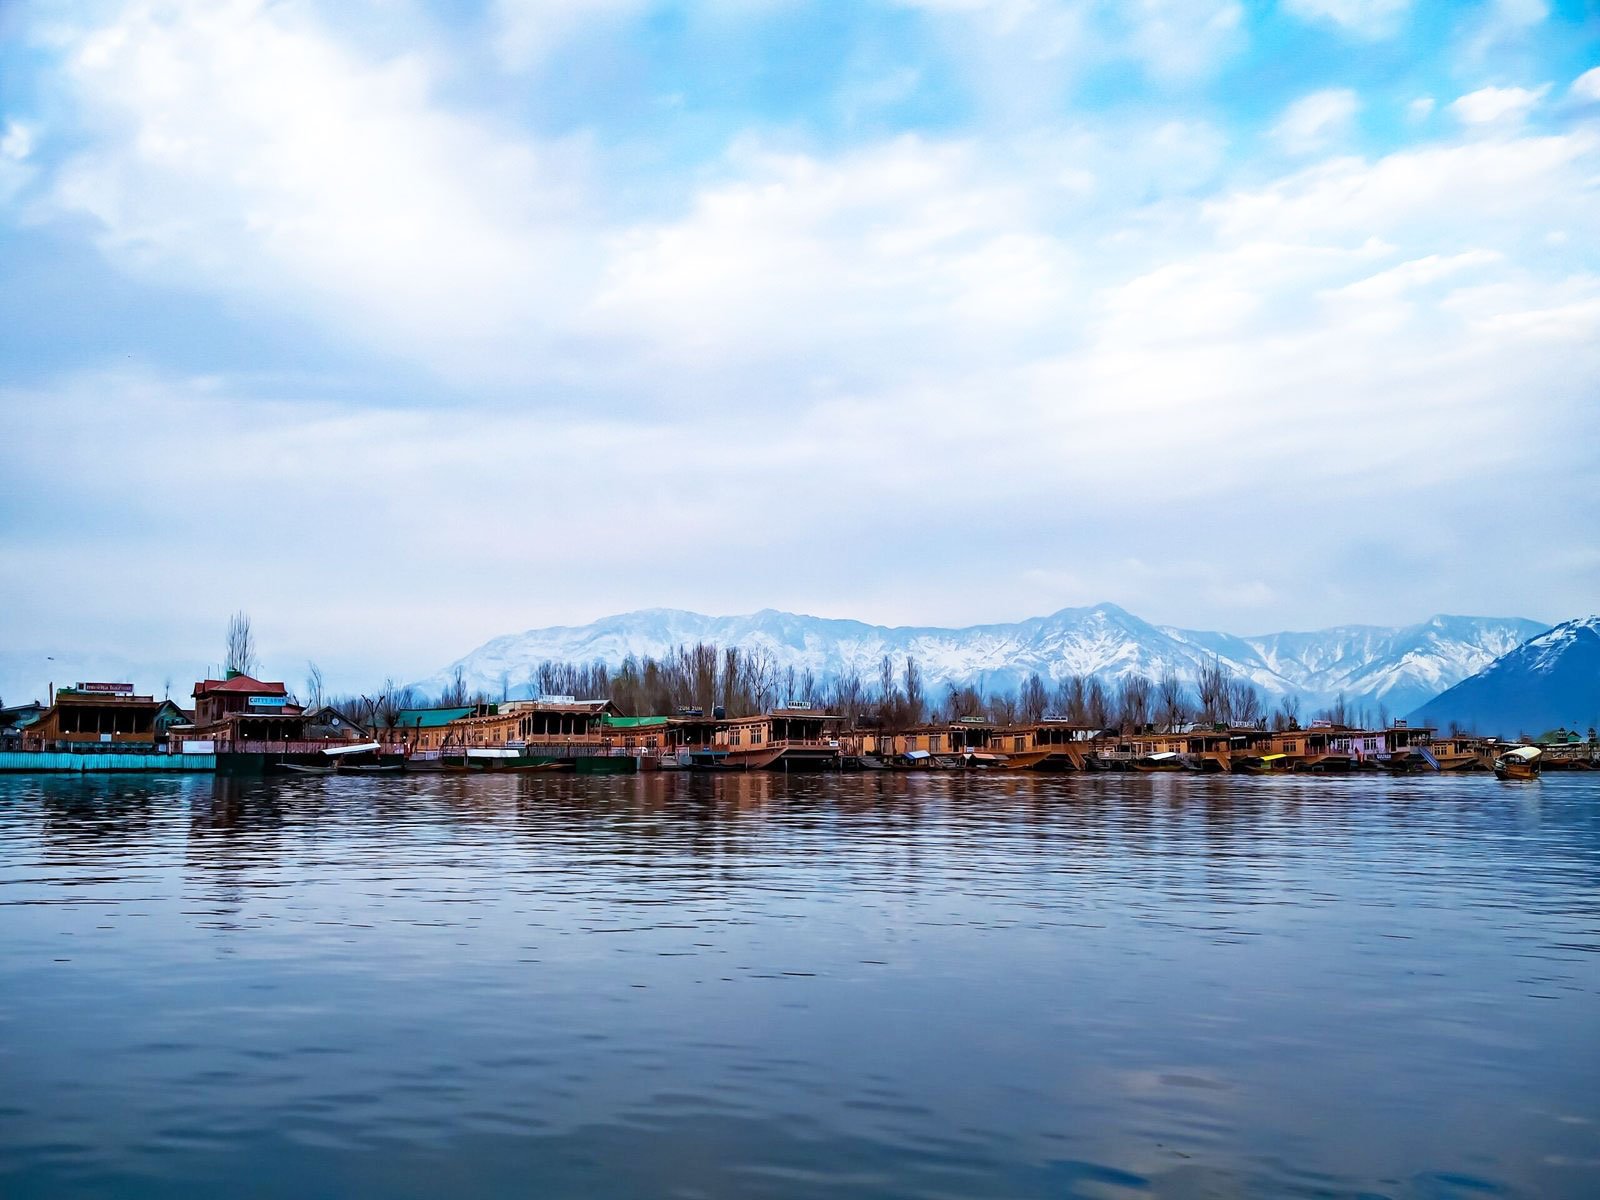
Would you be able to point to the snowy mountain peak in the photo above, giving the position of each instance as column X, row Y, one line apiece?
column 1550, row 679
column 1397, row 667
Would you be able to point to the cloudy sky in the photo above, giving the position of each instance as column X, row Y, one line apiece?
column 404, row 323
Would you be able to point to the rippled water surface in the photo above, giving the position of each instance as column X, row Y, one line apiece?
column 759, row 986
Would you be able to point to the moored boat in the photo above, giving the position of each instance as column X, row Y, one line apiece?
column 1162, row 760
column 1261, row 764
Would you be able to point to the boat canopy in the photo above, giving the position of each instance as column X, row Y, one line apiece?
column 1161, row 756
column 1523, row 753
column 352, row 748
column 1272, row 757
column 917, row 755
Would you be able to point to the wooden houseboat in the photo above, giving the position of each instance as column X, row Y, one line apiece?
column 785, row 739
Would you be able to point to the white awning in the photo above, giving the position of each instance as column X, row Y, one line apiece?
column 352, row 748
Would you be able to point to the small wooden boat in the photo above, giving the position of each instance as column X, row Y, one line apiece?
column 494, row 760
column 305, row 768
column 1522, row 762
column 707, row 759
column 982, row 761
column 1162, row 760
column 1261, row 764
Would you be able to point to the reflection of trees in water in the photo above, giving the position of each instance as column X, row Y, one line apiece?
column 84, row 816
column 235, row 840
column 236, row 807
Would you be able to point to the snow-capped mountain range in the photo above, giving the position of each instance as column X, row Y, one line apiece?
column 1552, row 680
column 1398, row 667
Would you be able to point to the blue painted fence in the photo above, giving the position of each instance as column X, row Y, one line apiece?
column 51, row 761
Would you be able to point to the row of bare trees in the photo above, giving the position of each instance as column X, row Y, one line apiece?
column 740, row 682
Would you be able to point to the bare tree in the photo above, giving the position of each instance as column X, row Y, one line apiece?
column 241, row 645
column 1134, row 698
column 848, row 697
column 1172, row 701
column 916, row 703
column 314, row 688
column 736, row 691
column 888, row 694
column 1003, row 708
column 1073, row 699
column 1245, row 704
column 626, row 689
column 391, row 701
column 760, row 678
column 1097, row 703
column 1288, row 714
column 455, row 692
column 1213, row 688
column 702, row 664
column 963, row 702
column 1032, row 699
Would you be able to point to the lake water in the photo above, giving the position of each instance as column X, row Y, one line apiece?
column 758, row 986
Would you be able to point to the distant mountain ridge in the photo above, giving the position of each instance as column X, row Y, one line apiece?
column 1550, row 680
column 1399, row 667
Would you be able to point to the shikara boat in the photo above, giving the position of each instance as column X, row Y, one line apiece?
column 1261, row 764
column 495, row 759
column 1521, row 762
column 306, row 768
column 355, row 758
column 981, row 761
column 1162, row 760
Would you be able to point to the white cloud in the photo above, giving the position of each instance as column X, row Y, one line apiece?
column 1420, row 109
column 1427, row 197
column 16, row 147
column 243, row 148
column 904, row 242
column 1311, row 122
column 16, row 143
column 1364, row 18
column 1182, row 39
column 1587, row 85
column 1500, row 26
column 1022, row 52
column 529, row 31
column 1493, row 105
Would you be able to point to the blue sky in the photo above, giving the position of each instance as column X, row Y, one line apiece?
column 405, row 324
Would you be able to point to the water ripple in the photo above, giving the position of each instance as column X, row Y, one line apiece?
column 855, row 986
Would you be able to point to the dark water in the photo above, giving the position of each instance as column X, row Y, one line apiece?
column 753, row 986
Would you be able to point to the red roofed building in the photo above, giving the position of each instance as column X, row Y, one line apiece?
column 240, row 708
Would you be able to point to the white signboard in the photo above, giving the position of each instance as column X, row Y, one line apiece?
column 206, row 746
